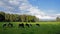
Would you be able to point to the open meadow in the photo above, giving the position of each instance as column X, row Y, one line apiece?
column 44, row 28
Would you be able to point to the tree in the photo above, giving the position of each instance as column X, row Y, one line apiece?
column 57, row 19
column 7, row 17
column 16, row 18
column 2, row 16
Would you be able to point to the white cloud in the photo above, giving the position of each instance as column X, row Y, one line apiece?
column 14, row 2
column 57, row 15
column 24, row 5
column 1, row 3
column 17, row 2
column 6, row 8
column 34, row 11
column 45, row 17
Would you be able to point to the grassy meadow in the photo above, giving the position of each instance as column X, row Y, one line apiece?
column 45, row 28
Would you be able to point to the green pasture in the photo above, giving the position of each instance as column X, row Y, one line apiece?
column 45, row 28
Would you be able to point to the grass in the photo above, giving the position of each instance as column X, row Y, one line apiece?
column 45, row 28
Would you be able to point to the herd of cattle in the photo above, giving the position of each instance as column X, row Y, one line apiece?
column 20, row 25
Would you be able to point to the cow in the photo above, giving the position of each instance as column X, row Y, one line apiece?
column 21, row 25
column 10, row 25
column 4, row 25
column 27, row 25
column 37, row 24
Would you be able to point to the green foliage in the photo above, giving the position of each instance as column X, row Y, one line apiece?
column 2, row 16
column 16, row 18
column 58, row 19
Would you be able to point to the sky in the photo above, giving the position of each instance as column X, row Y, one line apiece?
column 42, row 9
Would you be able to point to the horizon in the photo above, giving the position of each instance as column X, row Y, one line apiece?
column 42, row 9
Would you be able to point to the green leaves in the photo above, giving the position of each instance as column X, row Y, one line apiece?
column 16, row 18
column 57, row 19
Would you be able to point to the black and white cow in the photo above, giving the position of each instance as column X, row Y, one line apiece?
column 27, row 25
column 21, row 25
column 4, row 25
column 37, row 25
column 10, row 25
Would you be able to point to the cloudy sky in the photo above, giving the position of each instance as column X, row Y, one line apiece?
column 43, row 9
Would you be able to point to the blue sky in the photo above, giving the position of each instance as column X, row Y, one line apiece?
column 43, row 9
column 47, row 5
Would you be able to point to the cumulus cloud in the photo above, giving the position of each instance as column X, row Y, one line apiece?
column 31, row 9
column 57, row 15
column 34, row 11
column 14, row 2
column 5, row 7
column 23, row 6
column 1, row 3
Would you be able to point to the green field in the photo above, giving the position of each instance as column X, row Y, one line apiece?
column 45, row 28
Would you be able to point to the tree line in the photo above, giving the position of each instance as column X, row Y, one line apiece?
column 6, row 17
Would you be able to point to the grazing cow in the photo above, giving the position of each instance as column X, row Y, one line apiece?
column 10, row 25
column 4, row 25
column 27, row 25
column 37, row 24
column 21, row 25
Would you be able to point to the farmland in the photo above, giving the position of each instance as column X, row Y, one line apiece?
column 45, row 28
